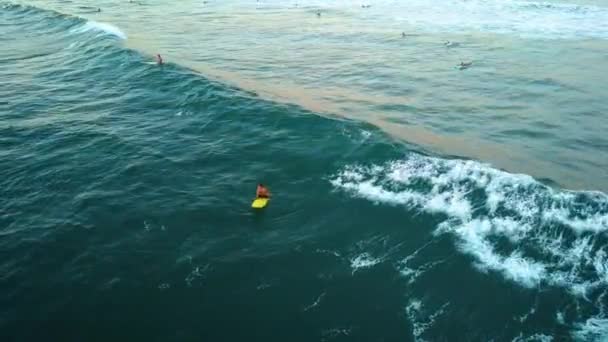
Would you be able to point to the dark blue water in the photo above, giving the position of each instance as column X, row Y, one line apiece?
column 125, row 214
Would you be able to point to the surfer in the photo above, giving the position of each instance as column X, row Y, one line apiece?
column 159, row 59
column 262, row 191
column 465, row 65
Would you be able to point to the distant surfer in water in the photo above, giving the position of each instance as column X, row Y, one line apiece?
column 464, row 65
column 159, row 59
column 262, row 192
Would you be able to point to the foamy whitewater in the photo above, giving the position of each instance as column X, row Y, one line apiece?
column 532, row 234
column 482, row 204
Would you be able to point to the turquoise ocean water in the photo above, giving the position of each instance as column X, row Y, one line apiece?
column 411, row 200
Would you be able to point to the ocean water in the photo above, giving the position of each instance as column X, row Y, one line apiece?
column 412, row 200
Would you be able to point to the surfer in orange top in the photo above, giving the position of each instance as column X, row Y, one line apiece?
column 262, row 192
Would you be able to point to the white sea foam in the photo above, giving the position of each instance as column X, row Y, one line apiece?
column 552, row 235
column 101, row 28
column 327, row 251
column 533, row 338
column 315, row 303
column 330, row 334
column 523, row 18
column 420, row 318
column 527, row 315
column 363, row 260
column 510, row 224
column 412, row 273
column 197, row 273
column 594, row 329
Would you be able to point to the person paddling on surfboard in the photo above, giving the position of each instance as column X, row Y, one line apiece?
column 262, row 192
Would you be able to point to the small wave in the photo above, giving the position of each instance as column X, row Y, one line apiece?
column 509, row 223
column 594, row 329
column 102, row 28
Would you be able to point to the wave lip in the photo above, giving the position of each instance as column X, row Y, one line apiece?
column 101, row 28
column 81, row 25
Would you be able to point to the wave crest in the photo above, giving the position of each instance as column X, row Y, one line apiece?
column 101, row 28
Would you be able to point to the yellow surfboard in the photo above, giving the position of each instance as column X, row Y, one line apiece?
column 259, row 203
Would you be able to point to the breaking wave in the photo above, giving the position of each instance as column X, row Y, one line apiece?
column 512, row 224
